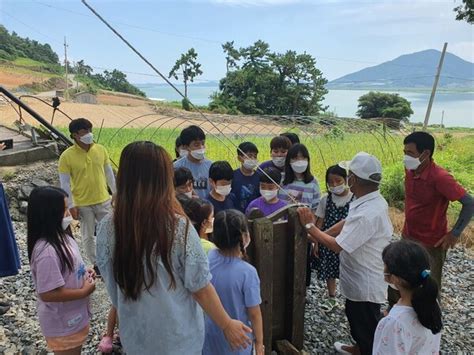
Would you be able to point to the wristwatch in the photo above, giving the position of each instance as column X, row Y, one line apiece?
column 308, row 226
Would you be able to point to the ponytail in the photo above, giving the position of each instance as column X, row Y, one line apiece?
column 425, row 303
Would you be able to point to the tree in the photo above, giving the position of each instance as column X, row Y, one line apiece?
column 83, row 69
column 271, row 83
column 465, row 12
column 188, row 67
column 232, row 55
column 380, row 104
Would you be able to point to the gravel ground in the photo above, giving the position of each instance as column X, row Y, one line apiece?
column 20, row 332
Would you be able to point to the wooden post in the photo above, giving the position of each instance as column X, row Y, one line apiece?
column 263, row 246
column 435, row 85
column 298, row 259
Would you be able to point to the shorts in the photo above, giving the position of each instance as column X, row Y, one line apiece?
column 68, row 342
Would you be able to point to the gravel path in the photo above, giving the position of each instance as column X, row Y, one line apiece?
column 20, row 332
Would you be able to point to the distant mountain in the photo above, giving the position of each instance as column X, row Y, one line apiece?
column 416, row 70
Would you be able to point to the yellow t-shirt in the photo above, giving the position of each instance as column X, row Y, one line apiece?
column 86, row 169
column 207, row 245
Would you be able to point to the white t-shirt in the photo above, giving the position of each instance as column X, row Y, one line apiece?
column 366, row 232
column 339, row 201
column 401, row 333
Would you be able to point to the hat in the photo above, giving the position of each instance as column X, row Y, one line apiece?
column 364, row 166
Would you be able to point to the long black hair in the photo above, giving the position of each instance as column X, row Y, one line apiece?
column 229, row 225
column 335, row 170
column 292, row 154
column 46, row 209
column 411, row 262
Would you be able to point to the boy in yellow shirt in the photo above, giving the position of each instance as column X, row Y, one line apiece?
column 84, row 173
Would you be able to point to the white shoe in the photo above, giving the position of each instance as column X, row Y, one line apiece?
column 338, row 346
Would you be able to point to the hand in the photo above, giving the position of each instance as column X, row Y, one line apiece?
column 448, row 241
column 306, row 215
column 315, row 251
column 91, row 274
column 259, row 349
column 88, row 287
column 74, row 213
column 236, row 335
column 114, row 196
column 2, row 146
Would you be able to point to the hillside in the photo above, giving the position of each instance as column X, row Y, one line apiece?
column 416, row 70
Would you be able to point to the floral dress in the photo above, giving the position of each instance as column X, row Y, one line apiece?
column 327, row 265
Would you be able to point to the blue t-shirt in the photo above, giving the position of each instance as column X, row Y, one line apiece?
column 227, row 204
column 245, row 188
column 200, row 173
column 238, row 286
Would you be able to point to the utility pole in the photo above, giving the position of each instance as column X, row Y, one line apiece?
column 66, row 94
column 442, row 118
column 435, row 85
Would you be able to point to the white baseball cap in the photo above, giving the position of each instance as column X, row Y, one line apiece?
column 364, row 166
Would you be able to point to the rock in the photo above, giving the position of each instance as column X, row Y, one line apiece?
column 26, row 191
column 23, row 207
column 39, row 183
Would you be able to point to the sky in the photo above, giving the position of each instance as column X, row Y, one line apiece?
column 343, row 36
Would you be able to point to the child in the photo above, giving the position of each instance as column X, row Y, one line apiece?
column 201, row 214
column 299, row 183
column 414, row 324
column 193, row 140
column 245, row 183
column 333, row 208
column 179, row 149
column 62, row 282
column 183, row 182
column 293, row 137
column 269, row 201
column 220, row 179
column 236, row 282
column 278, row 149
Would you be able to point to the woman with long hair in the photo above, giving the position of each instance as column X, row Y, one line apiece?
column 154, row 267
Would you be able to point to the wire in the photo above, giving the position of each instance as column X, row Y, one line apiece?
column 182, row 95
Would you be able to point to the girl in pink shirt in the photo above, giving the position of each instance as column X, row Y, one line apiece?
column 62, row 282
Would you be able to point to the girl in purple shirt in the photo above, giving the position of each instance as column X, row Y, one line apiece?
column 62, row 282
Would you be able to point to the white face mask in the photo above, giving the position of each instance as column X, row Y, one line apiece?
column 268, row 195
column 299, row 166
column 250, row 164
column 198, row 154
column 246, row 237
column 279, row 162
column 183, row 153
column 393, row 286
column 337, row 190
column 411, row 163
column 224, row 190
column 66, row 222
column 189, row 194
column 387, row 275
column 87, row 138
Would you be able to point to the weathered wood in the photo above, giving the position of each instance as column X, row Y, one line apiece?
column 298, row 246
column 284, row 347
column 262, row 233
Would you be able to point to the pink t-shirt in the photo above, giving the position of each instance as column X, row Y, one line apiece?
column 59, row 318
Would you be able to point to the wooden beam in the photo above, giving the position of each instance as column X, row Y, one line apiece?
column 284, row 347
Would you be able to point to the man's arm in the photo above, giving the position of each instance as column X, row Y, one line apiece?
column 467, row 211
column 65, row 182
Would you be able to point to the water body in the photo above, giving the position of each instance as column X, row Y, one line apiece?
column 458, row 107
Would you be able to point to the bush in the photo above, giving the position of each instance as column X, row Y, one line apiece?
column 186, row 104
column 393, row 185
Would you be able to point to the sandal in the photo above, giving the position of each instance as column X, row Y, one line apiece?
column 106, row 345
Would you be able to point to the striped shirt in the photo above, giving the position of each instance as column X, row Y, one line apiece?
column 306, row 193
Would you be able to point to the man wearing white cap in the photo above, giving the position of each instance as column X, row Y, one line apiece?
column 359, row 240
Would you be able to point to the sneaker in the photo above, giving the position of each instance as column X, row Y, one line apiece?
column 329, row 304
column 97, row 271
column 106, row 344
column 338, row 346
